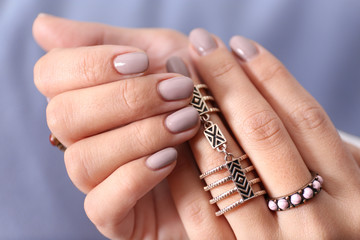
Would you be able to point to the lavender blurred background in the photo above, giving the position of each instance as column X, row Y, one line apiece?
column 319, row 42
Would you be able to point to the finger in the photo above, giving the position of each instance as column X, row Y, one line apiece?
column 192, row 203
column 306, row 121
column 243, row 218
column 111, row 205
column 66, row 69
column 91, row 160
column 167, row 216
column 76, row 114
column 55, row 32
column 252, row 120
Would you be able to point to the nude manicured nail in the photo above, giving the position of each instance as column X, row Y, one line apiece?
column 176, row 88
column 131, row 63
column 162, row 158
column 182, row 120
column 243, row 48
column 42, row 15
column 202, row 41
column 177, row 65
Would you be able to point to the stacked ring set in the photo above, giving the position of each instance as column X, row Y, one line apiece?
column 238, row 173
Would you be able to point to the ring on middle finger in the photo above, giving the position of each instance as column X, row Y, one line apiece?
column 237, row 173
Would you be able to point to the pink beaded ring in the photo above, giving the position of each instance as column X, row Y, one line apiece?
column 297, row 198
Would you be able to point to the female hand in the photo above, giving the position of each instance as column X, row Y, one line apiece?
column 286, row 135
column 119, row 130
column 191, row 203
column 160, row 45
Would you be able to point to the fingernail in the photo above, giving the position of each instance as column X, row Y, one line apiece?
column 42, row 15
column 202, row 41
column 131, row 63
column 162, row 158
column 176, row 88
column 177, row 65
column 182, row 120
column 243, row 48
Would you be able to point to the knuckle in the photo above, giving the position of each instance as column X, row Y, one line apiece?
column 44, row 68
column 78, row 168
column 168, row 33
column 171, row 37
column 60, row 115
column 222, row 69
column 131, row 101
column 324, row 229
column 110, row 224
column 53, row 116
column 274, row 71
column 144, row 138
column 129, row 187
column 308, row 116
column 91, row 67
column 194, row 212
column 263, row 126
column 37, row 73
column 93, row 212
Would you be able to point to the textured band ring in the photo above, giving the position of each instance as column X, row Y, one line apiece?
column 217, row 141
column 238, row 203
column 199, row 101
column 201, row 86
column 298, row 197
column 221, row 167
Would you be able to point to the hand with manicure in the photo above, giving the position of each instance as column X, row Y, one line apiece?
column 121, row 117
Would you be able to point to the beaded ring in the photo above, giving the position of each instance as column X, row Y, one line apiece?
column 298, row 197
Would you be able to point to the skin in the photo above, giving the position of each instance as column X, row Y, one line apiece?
column 293, row 130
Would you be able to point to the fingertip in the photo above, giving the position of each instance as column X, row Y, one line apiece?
column 202, row 41
column 37, row 27
column 55, row 32
column 44, row 29
column 131, row 63
column 244, row 48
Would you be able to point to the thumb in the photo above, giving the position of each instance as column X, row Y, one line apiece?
column 55, row 32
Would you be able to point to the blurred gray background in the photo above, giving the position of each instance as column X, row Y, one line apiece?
column 319, row 42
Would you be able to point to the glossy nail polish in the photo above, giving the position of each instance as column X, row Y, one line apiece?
column 177, row 65
column 131, row 63
column 202, row 41
column 182, row 120
column 243, row 48
column 176, row 88
column 162, row 158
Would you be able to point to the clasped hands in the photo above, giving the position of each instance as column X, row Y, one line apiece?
column 119, row 101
